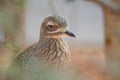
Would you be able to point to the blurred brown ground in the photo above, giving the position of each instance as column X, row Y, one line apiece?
column 89, row 63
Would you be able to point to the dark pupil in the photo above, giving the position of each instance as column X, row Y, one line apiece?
column 50, row 26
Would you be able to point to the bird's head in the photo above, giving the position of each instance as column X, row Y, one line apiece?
column 54, row 27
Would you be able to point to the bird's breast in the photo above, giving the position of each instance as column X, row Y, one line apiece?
column 55, row 53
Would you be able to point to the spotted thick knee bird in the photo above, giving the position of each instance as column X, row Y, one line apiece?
column 47, row 59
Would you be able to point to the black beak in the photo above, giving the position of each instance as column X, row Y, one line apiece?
column 69, row 33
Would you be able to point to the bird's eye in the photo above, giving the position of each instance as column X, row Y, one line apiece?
column 51, row 28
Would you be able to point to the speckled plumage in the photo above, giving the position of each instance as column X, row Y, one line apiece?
column 44, row 60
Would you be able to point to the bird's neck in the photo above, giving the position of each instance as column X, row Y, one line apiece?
column 55, row 50
column 55, row 42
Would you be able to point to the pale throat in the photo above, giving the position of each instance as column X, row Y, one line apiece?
column 51, row 36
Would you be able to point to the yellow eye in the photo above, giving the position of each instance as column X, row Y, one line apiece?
column 51, row 27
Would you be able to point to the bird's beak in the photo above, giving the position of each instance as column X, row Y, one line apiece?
column 69, row 33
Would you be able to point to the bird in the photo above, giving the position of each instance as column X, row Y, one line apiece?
column 47, row 59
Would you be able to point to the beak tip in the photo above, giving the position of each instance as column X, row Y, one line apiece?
column 73, row 35
column 70, row 34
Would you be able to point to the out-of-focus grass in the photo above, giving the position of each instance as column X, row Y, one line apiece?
column 15, row 48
